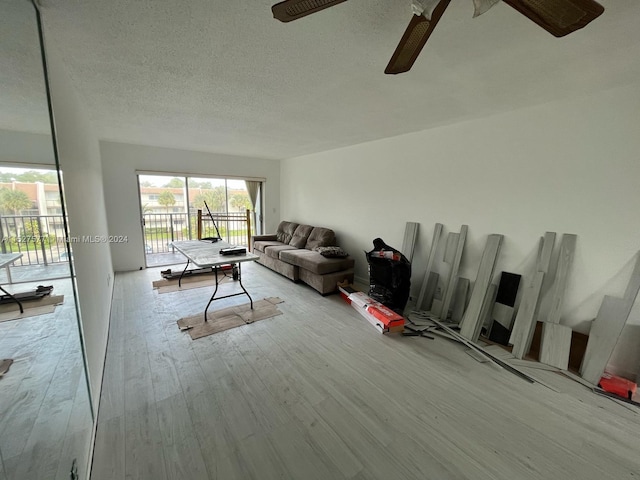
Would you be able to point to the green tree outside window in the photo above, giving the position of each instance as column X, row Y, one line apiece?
column 166, row 199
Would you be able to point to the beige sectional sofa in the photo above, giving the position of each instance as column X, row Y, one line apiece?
column 290, row 252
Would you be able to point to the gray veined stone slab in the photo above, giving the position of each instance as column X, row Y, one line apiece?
column 604, row 334
column 555, row 345
column 409, row 240
column 469, row 325
column 429, row 285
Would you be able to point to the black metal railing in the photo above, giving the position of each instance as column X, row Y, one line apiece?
column 160, row 229
column 40, row 238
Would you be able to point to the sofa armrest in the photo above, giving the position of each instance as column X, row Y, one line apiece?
column 266, row 238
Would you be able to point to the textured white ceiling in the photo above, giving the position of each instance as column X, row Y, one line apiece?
column 224, row 76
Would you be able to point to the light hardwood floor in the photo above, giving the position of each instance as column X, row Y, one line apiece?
column 317, row 393
column 45, row 417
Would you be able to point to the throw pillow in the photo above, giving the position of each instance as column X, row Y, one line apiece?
column 331, row 252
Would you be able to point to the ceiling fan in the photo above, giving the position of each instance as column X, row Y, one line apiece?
column 558, row 17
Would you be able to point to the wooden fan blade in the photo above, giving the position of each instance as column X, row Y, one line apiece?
column 414, row 39
column 294, row 9
column 558, row 17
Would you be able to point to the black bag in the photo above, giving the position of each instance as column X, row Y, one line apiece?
column 389, row 276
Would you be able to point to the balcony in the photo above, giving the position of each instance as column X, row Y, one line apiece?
column 41, row 240
column 160, row 229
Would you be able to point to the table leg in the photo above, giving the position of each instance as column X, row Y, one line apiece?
column 13, row 298
column 215, row 269
column 182, row 274
column 244, row 289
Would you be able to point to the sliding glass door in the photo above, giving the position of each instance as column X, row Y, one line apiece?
column 228, row 202
column 169, row 207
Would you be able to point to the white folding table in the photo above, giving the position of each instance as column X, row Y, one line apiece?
column 205, row 254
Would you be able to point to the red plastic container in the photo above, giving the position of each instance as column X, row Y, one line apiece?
column 618, row 385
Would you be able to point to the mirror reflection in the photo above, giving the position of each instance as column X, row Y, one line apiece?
column 45, row 413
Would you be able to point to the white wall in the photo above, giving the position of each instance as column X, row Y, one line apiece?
column 571, row 166
column 79, row 157
column 120, row 163
column 22, row 147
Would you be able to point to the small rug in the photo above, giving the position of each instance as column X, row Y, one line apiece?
column 230, row 317
column 4, row 366
column 189, row 282
column 41, row 306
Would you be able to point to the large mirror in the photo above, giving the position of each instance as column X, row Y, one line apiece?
column 45, row 413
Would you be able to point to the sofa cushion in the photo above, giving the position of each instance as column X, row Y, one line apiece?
column 271, row 236
column 300, row 236
column 314, row 262
column 285, row 231
column 320, row 237
column 283, row 268
column 261, row 245
column 273, row 251
column 326, row 283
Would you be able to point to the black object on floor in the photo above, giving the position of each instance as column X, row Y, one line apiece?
column 169, row 275
column 39, row 292
column 389, row 276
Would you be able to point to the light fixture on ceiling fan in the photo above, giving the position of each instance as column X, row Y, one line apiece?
column 558, row 17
